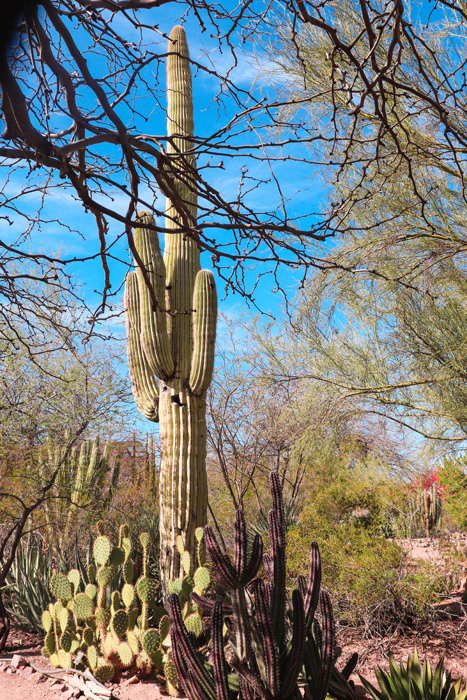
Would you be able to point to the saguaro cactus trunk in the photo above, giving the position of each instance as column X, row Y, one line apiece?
column 175, row 342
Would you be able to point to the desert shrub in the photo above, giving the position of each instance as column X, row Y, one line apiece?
column 453, row 479
column 366, row 574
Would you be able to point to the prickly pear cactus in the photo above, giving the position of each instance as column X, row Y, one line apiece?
column 83, row 631
column 196, row 579
column 173, row 339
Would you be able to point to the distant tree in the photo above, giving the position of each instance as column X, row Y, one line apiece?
column 264, row 414
column 389, row 83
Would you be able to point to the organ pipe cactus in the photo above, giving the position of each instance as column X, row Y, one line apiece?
column 270, row 649
column 81, row 475
column 172, row 340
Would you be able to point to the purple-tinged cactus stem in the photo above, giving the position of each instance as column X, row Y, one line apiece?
column 241, row 543
column 218, row 658
column 187, row 649
column 278, row 558
column 298, row 641
column 278, row 503
column 255, row 560
column 246, row 692
column 312, row 594
column 224, row 569
column 268, row 638
column 327, row 647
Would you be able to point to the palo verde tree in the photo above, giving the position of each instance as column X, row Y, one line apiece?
column 391, row 333
column 171, row 334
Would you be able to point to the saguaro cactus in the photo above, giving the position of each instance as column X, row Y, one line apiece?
column 175, row 341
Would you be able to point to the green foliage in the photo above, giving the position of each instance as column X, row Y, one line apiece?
column 453, row 478
column 365, row 573
column 411, row 683
column 364, row 568
column 90, row 627
column 27, row 593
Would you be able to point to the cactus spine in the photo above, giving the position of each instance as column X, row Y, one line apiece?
column 175, row 341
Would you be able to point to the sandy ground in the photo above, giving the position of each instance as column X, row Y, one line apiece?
column 27, row 684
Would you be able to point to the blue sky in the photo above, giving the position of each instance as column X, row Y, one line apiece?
column 62, row 206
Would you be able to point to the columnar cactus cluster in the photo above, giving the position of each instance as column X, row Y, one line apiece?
column 82, row 630
column 80, row 476
column 171, row 307
column 261, row 647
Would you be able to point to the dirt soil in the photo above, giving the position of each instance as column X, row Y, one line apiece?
column 445, row 635
column 25, row 683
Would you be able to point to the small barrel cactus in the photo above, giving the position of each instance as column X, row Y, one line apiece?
column 430, row 508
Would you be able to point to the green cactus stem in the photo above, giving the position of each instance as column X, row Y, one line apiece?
column 175, row 341
column 430, row 508
column 81, row 475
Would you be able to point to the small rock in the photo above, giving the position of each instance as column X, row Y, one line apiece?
column 59, row 686
column 38, row 677
column 27, row 672
column 18, row 661
column 10, row 670
column 3, row 667
column 70, row 693
column 130, row 681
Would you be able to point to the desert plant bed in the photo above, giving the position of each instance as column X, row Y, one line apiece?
column 433, row 639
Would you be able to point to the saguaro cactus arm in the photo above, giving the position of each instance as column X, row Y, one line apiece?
column 143, row 383
column 153, row 322
column 204, row 331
